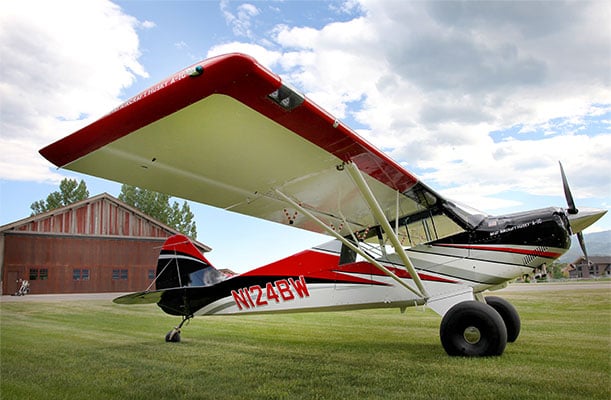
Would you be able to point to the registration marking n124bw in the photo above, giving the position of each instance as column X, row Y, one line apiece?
column 282, row 290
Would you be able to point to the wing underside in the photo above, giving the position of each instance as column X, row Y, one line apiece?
column 241, row 139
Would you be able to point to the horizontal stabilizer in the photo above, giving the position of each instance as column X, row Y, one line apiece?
column 148, row 297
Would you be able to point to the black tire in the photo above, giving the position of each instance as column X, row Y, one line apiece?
column 173, row 336
column 509, row 314
column 473, row 329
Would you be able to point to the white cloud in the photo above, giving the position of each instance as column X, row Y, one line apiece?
column 63, row 63
column 268, row 58
column 240, row 20
column 147, row 24
column 430, row 81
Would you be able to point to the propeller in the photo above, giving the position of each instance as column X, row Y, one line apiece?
column 567, row 192
column 578, row 220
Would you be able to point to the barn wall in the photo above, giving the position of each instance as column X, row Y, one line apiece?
column 61, row 255
column 99, row 217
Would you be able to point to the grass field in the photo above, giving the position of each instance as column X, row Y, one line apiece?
column 99, row 350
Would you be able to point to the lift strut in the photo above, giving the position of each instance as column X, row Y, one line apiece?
column 379, row 216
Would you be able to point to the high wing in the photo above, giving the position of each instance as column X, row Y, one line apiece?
column 227, row 132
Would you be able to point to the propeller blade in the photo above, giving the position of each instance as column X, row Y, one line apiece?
column 567, row 192
column 582, row 243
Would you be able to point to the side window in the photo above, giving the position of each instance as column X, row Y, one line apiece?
column 347, row 255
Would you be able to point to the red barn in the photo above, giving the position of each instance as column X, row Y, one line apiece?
column 96, row 245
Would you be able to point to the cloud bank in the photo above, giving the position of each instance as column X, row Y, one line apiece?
column 64, row 63
column 478, row 98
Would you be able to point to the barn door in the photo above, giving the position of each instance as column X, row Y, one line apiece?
column 12, row 284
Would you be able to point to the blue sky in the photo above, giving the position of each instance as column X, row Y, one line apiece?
column 479, row 99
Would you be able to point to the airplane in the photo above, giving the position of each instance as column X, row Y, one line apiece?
column 229, row 133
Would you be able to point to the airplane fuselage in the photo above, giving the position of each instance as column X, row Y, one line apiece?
column 498, row 250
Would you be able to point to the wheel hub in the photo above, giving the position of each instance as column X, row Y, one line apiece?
column 472, row 335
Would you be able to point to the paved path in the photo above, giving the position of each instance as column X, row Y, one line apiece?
column 583, row 285
column 61, row 297
column 515, row 287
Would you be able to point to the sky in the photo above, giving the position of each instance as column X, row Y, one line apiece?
column 479, row 99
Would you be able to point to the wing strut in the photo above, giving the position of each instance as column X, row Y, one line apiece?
column 383, row 221
column 348, row 243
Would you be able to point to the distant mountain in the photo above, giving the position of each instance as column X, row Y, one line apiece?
column 597, row 244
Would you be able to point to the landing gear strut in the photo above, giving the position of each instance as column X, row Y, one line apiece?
column 174, row 335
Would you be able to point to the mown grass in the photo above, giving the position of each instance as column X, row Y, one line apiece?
column 98, row 350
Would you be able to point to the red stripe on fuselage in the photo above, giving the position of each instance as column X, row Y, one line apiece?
column 368, row 269
column 538, row 253
column 325, row 266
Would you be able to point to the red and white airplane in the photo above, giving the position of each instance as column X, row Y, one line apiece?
column 229, row 133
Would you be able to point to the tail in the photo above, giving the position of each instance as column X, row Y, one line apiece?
column 181, row 264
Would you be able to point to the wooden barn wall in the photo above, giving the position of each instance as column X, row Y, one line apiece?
column 101, row 217
column 61, row 255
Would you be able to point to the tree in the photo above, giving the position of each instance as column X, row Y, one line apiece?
column 70, row 191
column 157, row 205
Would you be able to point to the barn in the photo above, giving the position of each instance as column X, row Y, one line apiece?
column 96, row 245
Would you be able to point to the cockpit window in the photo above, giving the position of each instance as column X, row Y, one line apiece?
column 468, row 214
column 205, row 277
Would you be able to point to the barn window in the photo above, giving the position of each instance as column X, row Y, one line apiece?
column 80, row 274
column 36, row 273
column 119, row 274
column 151, row 274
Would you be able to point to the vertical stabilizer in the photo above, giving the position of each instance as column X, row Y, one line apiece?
column 181, row 264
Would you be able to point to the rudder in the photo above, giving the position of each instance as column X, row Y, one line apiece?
column 181, row 264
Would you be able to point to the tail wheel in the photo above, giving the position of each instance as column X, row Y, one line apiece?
column 473, row 329
column 509, row 314
column 173, row 336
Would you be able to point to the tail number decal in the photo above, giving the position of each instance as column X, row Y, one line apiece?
column 282, row 290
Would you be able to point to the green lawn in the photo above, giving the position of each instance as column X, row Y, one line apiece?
column 99, row 350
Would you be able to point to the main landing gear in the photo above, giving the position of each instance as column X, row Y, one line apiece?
column 509, row 314
column 174, row 335
column 477, row 329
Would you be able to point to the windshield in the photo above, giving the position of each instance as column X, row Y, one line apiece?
column 468, row 214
